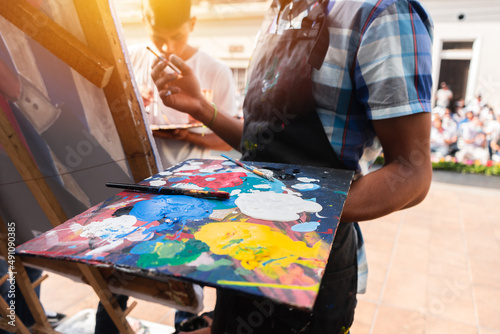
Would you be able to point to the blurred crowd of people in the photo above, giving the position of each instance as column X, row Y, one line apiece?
column 464, row 132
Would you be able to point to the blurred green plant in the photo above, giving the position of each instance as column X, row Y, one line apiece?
column 469, row 167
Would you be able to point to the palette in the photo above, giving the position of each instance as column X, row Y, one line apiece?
column 269, row 239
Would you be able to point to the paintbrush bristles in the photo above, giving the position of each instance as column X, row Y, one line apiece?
column 252, row 169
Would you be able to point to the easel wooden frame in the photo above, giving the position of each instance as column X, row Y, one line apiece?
column 27, row 288
column 102, row 63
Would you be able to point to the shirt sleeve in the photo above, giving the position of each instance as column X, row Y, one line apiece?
column 393, row 73
column 225, row 92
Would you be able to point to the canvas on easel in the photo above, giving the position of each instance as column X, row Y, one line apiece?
column 70, row 120
column 65, row 123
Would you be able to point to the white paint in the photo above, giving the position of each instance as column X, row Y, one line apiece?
column 187, row 167
column 291, row 192
column 187, row 186
column 303, row 186
column 235, row 192
column 211, row 169
column 307, row 179
column 75, row 228
column 165, row 173
column 262, row 186
column 275, row 207
column 51, row 238
column 183, row 174
column 109, row 228
column 105, row 247
column 204, row 258
column 157, row 183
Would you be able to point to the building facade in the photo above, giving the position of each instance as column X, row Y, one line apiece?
column 465, row 54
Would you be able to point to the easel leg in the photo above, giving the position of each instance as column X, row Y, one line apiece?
column 29, row 171
column 19, row 327
column 99, row 285
column 25, row 285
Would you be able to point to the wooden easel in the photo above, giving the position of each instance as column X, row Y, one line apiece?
column 27, row 289
column 102, row 63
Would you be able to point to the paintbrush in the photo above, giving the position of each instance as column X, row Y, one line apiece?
column 169, row 63
column 250, row 168
column 170, row 191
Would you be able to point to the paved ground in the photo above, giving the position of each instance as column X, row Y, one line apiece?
column 434, row 268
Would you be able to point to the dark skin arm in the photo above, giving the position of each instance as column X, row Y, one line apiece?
column 209, row 140
column 402, row 182
column 405, row 178
column 183, row 93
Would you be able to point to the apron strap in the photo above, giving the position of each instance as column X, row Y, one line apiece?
column 318, row 52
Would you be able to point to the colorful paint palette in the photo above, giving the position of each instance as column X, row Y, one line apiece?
column 270, row 238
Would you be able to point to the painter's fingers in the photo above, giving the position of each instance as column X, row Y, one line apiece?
column 157, row 67
column 169, row 90
column 180, row 64
column 161, row 77
column 164, row 79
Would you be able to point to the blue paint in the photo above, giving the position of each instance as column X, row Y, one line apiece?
column 177, row 179
column 210, row 179
column 273, row 260
column 146, row 247
column 173, row 207
column 305, row 227
column 163, row 227
column 340, row 192
column 224, row 204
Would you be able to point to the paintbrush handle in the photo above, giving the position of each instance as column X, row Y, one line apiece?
column 252, row 169
column 169, row 63
column 170, row 191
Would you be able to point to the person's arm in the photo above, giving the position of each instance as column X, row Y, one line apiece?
column 183, row 93
column 404, row 179
column 210, row 140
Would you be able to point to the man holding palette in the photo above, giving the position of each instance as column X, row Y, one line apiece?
column 332, row 83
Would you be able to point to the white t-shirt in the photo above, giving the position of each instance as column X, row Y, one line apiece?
column 443, row 97
column 212, row 74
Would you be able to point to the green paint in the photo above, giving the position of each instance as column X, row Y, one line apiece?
column 173, row 253
column 232, row 242
column 170, row 249
column 243, row 272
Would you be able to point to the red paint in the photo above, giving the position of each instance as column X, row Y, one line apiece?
column 181, row 236
column 222, row 180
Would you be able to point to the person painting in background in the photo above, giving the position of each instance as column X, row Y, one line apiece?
column 331, row 84
column 169, row 24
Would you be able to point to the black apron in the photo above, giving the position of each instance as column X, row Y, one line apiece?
column 282, row 125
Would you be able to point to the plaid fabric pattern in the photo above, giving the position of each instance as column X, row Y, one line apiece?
column 378, row 66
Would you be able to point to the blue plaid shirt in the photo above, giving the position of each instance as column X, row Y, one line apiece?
column 378, row 66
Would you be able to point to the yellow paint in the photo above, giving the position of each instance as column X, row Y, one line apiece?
column 256, row 246
column 269, row 285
